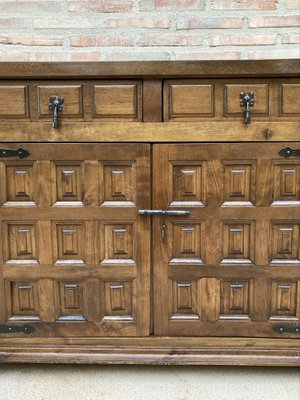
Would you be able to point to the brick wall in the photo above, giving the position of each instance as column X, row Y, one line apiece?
column 104, row 30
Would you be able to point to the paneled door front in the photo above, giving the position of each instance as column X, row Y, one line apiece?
column 232, row 267
column 75, row 254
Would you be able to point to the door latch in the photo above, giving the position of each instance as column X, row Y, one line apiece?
column 56, row 106
column 288, row 152
column 20, row 153
column 16, row 329
column 286, row 329
column 247, row 100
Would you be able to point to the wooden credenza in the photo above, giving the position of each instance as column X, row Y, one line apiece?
column 159, row 222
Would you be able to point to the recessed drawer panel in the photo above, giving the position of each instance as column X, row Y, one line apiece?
column 13, row 101
column 72, row 95
column 190, row 99
column 232, row 98
column 118, row 100
column 290, row 99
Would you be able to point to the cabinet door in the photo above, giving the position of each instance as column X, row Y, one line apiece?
column 74, row 252
column 232, row 267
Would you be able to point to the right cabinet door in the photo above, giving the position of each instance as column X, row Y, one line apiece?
column 232, row 267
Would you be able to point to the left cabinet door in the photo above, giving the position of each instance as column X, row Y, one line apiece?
column 74, row 254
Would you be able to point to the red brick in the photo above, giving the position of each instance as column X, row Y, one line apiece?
column 208, row 55
column 14, row 55
column 31, row 41
column 148, row 5
column 30, row 6
column 275, row 54
column 171, row 39
column 244, row 4
column 84, row 56
column 292, row 4
column 274, row 22
column 210, row 23
column 102, row 40
column 102, row 6
column 242, row 40
column 290, row 38
column 138, row 56
column 51, row 56
column 13, row 23
column 138, row 22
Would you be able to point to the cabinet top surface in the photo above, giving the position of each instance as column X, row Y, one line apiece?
column 148, row 69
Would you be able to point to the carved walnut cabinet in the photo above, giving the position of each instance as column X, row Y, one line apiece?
column 150, row 212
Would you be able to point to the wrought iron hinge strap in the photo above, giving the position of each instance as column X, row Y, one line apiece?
column 286, row 329
column 16, row 329
column 288, row 152
column 20, row 153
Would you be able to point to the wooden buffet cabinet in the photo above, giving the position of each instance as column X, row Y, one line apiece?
column 150, row 212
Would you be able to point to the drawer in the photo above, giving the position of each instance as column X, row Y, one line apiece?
column 218, row 99
column 86, row 100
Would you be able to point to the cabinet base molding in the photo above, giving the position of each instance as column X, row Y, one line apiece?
column 155, row 351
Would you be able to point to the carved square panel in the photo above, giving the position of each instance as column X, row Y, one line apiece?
column 285, row 248
column 13, row 101
column 239, row 183
column 285, row 300
column 70, row 303
column 18, row 183
column 68, row 183
column 235, row 299
column 188, row 185
column 286, row 184
column 119, row 185
column 186, row 243
column 23, row 300
column 232, row 99
column 69, row 243
column 118, row 241
column 185, row 300
column 238, row 243
column 72, row 95
column 20, row 244
column 290, row 99
column 119, row 301
column 118, row 101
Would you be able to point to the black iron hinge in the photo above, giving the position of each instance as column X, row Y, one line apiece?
column 286, row 329
column 16, row 329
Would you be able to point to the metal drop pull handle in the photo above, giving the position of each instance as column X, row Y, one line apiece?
column 288, row 152
column 165, row 212
column 55, row 105
column 247, row 100
column 20, row 153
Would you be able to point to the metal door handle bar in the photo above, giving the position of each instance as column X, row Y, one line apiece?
column 164, row 212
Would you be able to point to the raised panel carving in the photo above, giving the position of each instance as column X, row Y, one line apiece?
column 285, row 248
column 72, row 95
column 118, row 242
column 186, row 243
column 20, row 244
column 238, row 243
column 188, row 100
column 69, row 182
column 119, row 184
column 119, row 301
column 70, row 301
column 286, row 183
column 118, row 101
column 18, row 184
column 232, row 98
column 235, row 300
column 22, row 300
column 290, row 99
column 239, row 183
column 185, row 300
column 68, row 243
column 285, row 300
column 13, row 101
column 188, row 185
